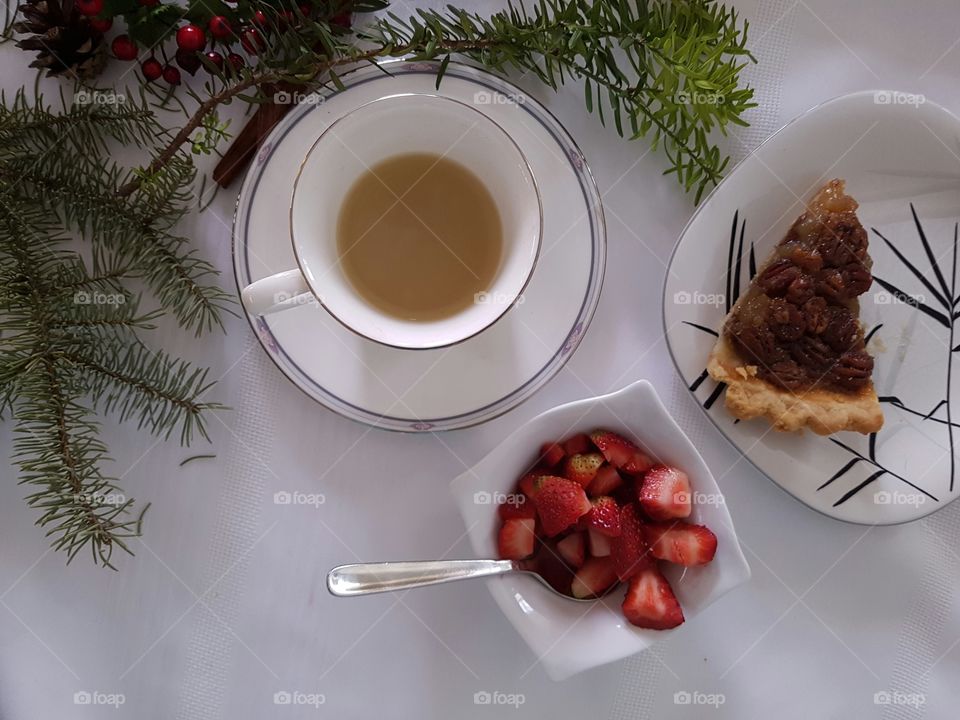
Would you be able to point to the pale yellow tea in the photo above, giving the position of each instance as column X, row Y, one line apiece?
column 419, row 236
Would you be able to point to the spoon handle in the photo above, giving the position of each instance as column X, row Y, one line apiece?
column 368, row 578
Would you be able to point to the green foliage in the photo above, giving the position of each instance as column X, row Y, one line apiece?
column 71, row 325
column 667, row 70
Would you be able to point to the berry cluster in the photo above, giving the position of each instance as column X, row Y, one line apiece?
column 210, row 43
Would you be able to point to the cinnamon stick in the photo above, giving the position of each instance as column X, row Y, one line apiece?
column 247, row 142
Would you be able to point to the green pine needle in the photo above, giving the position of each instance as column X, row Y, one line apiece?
column 71, row 327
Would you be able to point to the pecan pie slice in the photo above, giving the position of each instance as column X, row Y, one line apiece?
column 792, row 348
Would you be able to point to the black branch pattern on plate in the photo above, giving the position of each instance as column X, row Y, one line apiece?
column 945, row 313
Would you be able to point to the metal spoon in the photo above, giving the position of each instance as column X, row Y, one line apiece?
column 369, row 578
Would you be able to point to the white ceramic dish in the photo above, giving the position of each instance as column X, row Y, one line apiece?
column 899, row 155
column 346, row 150
column 477, row 379
column 569, row 637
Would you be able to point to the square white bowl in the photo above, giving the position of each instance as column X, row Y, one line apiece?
column 569, row 637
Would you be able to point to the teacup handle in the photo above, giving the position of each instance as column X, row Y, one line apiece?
column 271, row 294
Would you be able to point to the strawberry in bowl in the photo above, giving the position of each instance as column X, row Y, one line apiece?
column 608, row 501
column 605, row 533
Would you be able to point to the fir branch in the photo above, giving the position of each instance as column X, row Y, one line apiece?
column 71, row 334
column 81, row 192
column 134, row 381
column 667, row 71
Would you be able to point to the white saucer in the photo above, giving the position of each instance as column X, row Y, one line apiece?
column 480, row 378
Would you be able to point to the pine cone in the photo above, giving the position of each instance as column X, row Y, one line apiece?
column 65, row 43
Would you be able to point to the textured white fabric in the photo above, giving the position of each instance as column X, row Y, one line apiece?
column 224, row 605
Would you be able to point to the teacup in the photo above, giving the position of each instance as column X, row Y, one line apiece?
column 403, row 123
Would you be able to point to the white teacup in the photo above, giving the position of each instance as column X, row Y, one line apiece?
column 405, row 123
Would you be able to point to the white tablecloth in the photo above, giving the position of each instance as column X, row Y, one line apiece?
column 224, row 604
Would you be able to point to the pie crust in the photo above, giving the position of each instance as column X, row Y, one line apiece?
column 823, row 409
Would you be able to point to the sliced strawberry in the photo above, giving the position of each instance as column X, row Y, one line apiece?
column 620, row 452
column 594, row 578
column 572, row 549
column 582, row 468
column 515, row 540
column 528, row 482
column 560, row 503
column 599, row 543
column 577, row 444
column 551, row 454
column 604, row 516
column 548, row 564
column 664, row 493
column 650, row 602
column 681, row 543
column 605, row 482
column 629, row 550
column 517, row 507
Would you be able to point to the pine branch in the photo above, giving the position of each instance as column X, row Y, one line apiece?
column 134, row 381
column 667, row 71
column 81, row 191
column 71, row 334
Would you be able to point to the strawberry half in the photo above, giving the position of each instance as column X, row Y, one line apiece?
column 650, row 602
column 681, row 543
column 520, row 508
column 620, row 452
column 664, row 493
column 594, row 578
column 604, row 517
column 572, row 549
column 599, row 543
column 583, row 467
column 605, row 482
column 629, row 550
column 515, row 540
column 579, row 443
column 528, row 482
column 551, row 454
column 560, row 503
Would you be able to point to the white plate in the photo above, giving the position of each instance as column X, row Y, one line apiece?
column 897, row 152
column 476, row 380
column 569, row 637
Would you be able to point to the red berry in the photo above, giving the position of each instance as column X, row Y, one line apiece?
column 171, row 75
column 260, row 18
column 191, row 38
column 215, row 58
column 101, row 25
column 252, row 41
column 236, row 61
column 343, row 20
column 89, row 7
column 152, row 69
column 219, row 27
column 305, row 9
column 188, row 60
column 124, row 48
column 149, row 3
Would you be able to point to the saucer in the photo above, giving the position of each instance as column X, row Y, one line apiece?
column 463, row 384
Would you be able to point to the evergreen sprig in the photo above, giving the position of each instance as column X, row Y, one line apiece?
column 670, row 70
column 667, row 70
column 71, row 327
